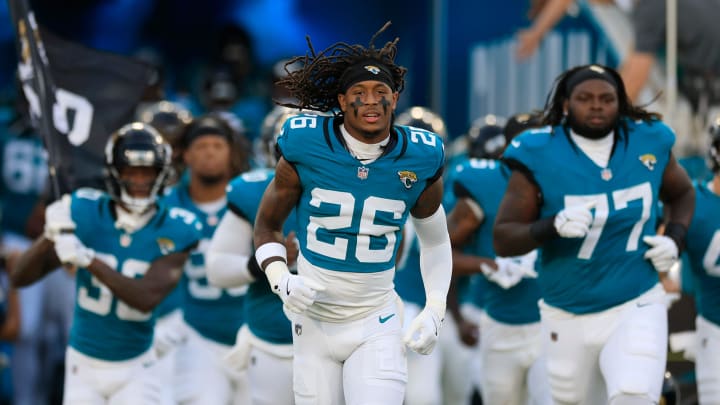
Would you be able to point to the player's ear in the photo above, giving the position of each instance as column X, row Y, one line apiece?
column 341, row 101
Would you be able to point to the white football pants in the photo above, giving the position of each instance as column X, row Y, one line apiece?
column 594, row 357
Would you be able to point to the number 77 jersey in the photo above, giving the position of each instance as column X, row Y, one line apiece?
column 606, row 268
column 350, row 213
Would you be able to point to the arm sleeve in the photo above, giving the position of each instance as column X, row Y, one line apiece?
column 435, row 257
column 230, row 255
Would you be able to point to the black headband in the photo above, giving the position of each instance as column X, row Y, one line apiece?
column 206, row 127
column 589, row 73
column 366, row 70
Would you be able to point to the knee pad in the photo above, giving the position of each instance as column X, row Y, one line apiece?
column 625, row 399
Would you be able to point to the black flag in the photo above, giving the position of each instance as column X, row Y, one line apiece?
column 77, row 95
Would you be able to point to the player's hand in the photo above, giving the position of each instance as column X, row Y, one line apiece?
column 509, row 272
column 58, row 218
column 71, row 251
column 296, row 292
column 422, row 335
column 663, row 252
column 574, row 222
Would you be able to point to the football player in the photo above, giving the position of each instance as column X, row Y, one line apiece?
column 511, row 350
column 264, row 345
column 128, row 250
column 584, row 190
column 703, row 248
column 354, row 179
column 213, row 315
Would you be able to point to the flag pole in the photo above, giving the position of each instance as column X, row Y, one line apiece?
column 33, row 65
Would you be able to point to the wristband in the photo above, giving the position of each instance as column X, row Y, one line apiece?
column 270, row 250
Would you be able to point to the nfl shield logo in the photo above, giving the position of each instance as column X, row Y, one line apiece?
column 363, row 172
column 298, row 329
column 606, row 174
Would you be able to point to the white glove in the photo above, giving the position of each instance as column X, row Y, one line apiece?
column 507, row 274
column 527, row 261
column 422, row 335
column 574, row 222
column 296, row 292
column 169, row 333
column 70, row 250
column 510, row 270
column 663, row 252
column 58, row 218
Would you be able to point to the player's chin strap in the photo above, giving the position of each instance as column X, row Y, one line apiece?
column 435, row 259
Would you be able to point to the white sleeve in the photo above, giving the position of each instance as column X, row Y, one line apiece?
column 226, row 260
column 435, row 257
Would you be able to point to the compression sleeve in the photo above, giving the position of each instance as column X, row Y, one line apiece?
column 229, row 260
column 435, row 258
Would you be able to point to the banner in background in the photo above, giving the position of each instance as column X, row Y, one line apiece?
column 78, row 96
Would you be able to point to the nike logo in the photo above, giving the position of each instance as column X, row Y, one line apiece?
column 385, row 319
column 515, row 143
column 643, row 304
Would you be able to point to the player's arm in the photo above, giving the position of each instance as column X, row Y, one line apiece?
column 34, row 263
column 277, row 202
column 281, row 195
column 10, row 328
column 678, row 196
column 517, row 229
column 430, row 224
column 144, row 293
column 230, row 261
column 428, row 217
column 464, row 219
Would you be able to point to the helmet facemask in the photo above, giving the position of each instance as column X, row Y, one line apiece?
column 137, row 145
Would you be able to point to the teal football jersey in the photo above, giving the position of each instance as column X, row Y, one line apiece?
column 350, row 214
column 24, row 175
column 215, row 313
column 703, row 249
column 606, row 268
column 103, row 326
column 485, row 181
column 263, row 309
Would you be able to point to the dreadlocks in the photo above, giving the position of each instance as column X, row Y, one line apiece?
column 316, row 84
column 554, row 111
